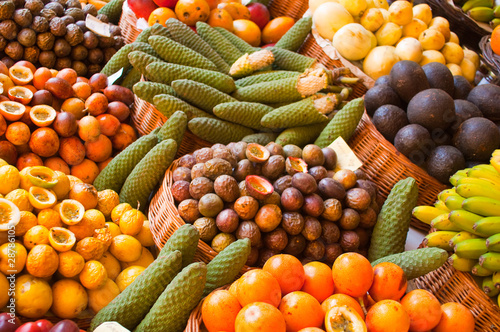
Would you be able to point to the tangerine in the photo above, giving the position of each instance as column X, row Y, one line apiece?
column 287, row 270
column 318, row 280
column 337, row 300
column 301, row 310
column 219, row 311
column 87, row 171
column 260, row 316
column 161, row 15
column 248, row 31
column 192, row 11
column 352, row 274
column 276, row 28
column 455, row 317
column 220, row 18
column 258, row 286
column 423, row 309
column 386, row 311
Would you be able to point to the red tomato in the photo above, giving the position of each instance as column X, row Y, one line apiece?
column 29, row 327
column 44, row 325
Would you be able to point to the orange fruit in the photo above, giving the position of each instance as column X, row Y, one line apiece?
column 118, row 211
column 12, row 110
column 36, row 235
column 18, row 133
column 287, row 270
column 42, row 115
column 312, row 329
column 219, row 311
column 233, row 289
column 104, row 234
column 91, row 220
column 126, row 248
column 237, row 10
column 389, row 282
column 113, row 228
column 423, row 308
column 161, row 15
column 57, row 164
column 337, row 300
column 33, row 296
column 145, row 260
column 319, row 281
column 82, row 90
column 124, row 137
column 99, row 150
column 90, row 248
column 106, row 201
column 84, row 193
column 68, row 74
column 70, row 298
column 385, row 311
column 344, row 318
column 352, row 274
column 455, row 317
column 260, row 316
column 131, row 222
column 93, row 275
column 258, row 286
column 27, row 64
column 192, row 11
column 111, row 264
column 49, row 218
column 276, row 28
column 41, row 76
column 301, row 310
column 71, row 211
column 87, row 171
column 128, row 276
column 28, row 159
column 101, row 297
column 28, row 220
column 219, row 17
column 20, row 94
column 248, row 31
column 495, row 40
column 71, row 264
column 42, row 261
column 20, row 75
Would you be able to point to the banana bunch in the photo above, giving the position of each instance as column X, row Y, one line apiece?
column 483, row 11
column 467, row 220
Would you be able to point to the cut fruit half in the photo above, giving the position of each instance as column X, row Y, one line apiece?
column 6, row 84
column 295, row 165
column 41, row 176
column 9, row 215
column 71, row 211
column 42, row 115
column 20, row 94
column 61, row 239
column 344, row 318
column 258, row 187
column 12, row 110
column 257, row 153
column 42, row 198
column 20, row 75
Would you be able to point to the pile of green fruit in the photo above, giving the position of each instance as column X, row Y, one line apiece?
column 467, row 220
column 485, row 11
column 163, row 296
column 437, row 120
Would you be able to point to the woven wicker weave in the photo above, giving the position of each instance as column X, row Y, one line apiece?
column 490, row 58
column 128, row 24
column 291, row 8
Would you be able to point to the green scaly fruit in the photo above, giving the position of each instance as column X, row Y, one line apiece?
column 145, row 34
column 172, row 309
column 296, row 35
column 185, row 239
column 160, row 30
column 443, row 223
column 277, row 91
column 240, row 44
column 113, row 10
column 174, row 128
column 132, row 77
column 148, row 90
column 147, row 173
column 133, row 304
column 484, row 206
column 218, row 131
column 489, row 288
column 288, row 60
column 454, row 202
column 200, row 95
column 481, row 271
column 168, row 104
column 243, row 113
column 416, row 263
column 471, row 248
column 487, row 226
column 465, row 220
column 260, row 138
column 300, row 136
column 427, row 213
column 440, row 239
column 221, row 45
column 462, row 264
column 493, row 243
column 118, row 61
column 266, row 76
column 461, row 236
column 393, row 221
column 139, row 60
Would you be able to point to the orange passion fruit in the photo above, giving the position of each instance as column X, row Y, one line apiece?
column 42, row 198
column 12, row 110
column 71, row 211
column 258, row 187
column 61, row 239
column 42, row 176
column 20, row 75
column 20, row 94
column 42, row 115
column 257, row 153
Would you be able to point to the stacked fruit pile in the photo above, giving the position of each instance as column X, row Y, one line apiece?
column 381, row 35
column 467, row 220
column 75, row 247
column 74, row 124
column 55, row 35
column 435, row 119
column 481, row 10
column 286, row 296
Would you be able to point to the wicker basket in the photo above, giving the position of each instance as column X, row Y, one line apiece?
column 128, row 24
column 491, row 59
column 291, row 8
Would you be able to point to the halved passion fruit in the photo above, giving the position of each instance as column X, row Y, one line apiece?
column 9, row 214
column 42, row 115
column 71, row 211
column 20, row 75
column 258, row 187
column 20, row 94
column 61, row 239
column 42, row 176
column 344, row 318
column 42, row 198
column 12, row 110
column 257, row 153
column 295, row 165
column 6, row 84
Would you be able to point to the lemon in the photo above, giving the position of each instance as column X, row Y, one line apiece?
column 33, row 296
column 127, row 276
column 9, row 178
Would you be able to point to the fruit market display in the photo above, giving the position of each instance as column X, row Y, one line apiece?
column 439, row 121
column 349, row 296
column 485, row 11
column 55, row 35
column 467, row 222
column 380, row 35
column 63, row 121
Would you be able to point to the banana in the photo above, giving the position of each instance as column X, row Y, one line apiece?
column 490, row 261
column 480, row 271
column 454, row 202
column 440, row 205
column 476, row 189
column 462, row 264
column 489, row 287
column 493, row 243
column 479, row 181
column 465, row 220
column 440, row 239
column 494, row 23
column 458, row 175
column 426, row 213
column 496, row 153
column 487, row 226
column 443, row 223
column 442, row 196
column 496, row 11
column 486, row 167
column 481, row 14
column 484, row 206
column 461, row 236
column 495, row 160
column 484, row 173
column 472, row 248
column 477, row 3
column 496, row 279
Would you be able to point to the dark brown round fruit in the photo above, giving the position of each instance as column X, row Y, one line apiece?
column 197, row 171
column 258, row 187
column 292, row 199
column 264, row 255
column 312, row 228
column 42, row 97
column 203, row 155
column 181, row 173
column 276, row 239
column 296, row 245
column 98, row 82
column 59, row 88
column 318, row 173
column 349, row 240
column 274, row 167
column 206, row 227
column 79, row 53
column 274, row 198
column 314, row 250
column 96, row 56
column 364, row 237
column 246, row 207
column 249, row 230
column 238, row 150
column 65, row 124
column 216, row 167
column 275, row 149
column 332, row 251
column 333, row 209
column 62, row 63
column 188, row 210
column 187, row 161
column 313, row 155
column 268, row 217
column 243, row 168
column 292, row 222
column 313, row 205
column 350, row 219
column 330, row 188
column 360, row 174
column 295, row 165
column 200, row 187
column 252, row 257
column 180, row 191
column 210, row 205
column 330, row 232
column 227, row 221
column 257, row 153
column 227, row 188
column 224, row 153
column 369, row 186
column 305, row 183
column 368, row 218
column 242, row 187
column 357, row 198
column 292, row 150
column 8, row 152
column 376, row 203
column 346, row 177
column 282, row 183
column 118, row 109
